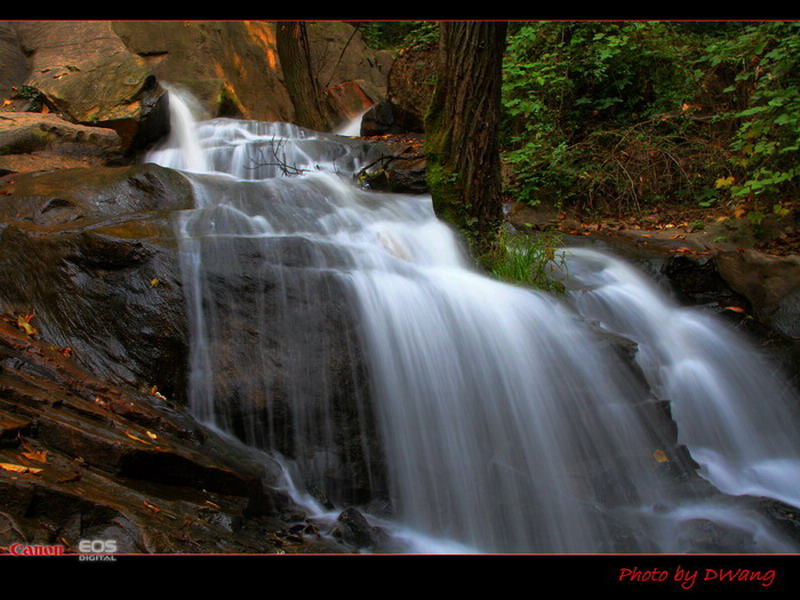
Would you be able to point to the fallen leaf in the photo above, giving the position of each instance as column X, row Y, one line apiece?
column 151, row 435
column 660, row 456
column 138, row 439
column 152, row 507
column 37, row 455
column 737, row 309
column 154, row 282
column 24, row 323
column 18, row 468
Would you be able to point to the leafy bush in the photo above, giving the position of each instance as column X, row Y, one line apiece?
column 765, row 111
column 615, row 116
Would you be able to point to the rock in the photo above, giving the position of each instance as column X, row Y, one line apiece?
column 379, row 120
column 343, row 56
column 410, row 85
column 14, row 65
column 706, row 536
column 353, row 529
column 232, row 67
column 297, row 383
column 106, row 462
column 96, row 81
column 38, row 142
column 349, row 99
column 770, row 283
column 92, row 254
column 697, row 281
column 399, row 166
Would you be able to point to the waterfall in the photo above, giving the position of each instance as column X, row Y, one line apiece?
column 348, row 331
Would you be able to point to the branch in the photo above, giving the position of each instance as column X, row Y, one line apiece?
column 390, row 157
column 279, row 162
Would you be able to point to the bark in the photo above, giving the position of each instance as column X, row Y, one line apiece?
column 462, row 129
column 310, row 102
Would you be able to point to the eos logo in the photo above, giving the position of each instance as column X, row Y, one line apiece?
column 92, row 547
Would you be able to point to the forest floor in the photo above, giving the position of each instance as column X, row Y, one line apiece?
column 686, row 229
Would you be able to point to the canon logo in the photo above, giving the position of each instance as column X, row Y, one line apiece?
column 33, row 550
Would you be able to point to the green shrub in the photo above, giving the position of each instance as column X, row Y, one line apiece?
column 526, row 259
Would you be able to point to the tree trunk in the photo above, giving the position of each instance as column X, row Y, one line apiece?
column 310, row 103
column 462, row 129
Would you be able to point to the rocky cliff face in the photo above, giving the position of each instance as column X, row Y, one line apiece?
column 109, row 74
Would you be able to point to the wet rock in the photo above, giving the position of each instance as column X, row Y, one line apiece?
column 297, row 382
column 697, row 281
column 770, row 283
column 705, row 536
column 399, row 166
column 91, row 254
column 101, row 462
column 353, row 529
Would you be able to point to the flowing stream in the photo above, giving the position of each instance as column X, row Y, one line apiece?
column 347, row 330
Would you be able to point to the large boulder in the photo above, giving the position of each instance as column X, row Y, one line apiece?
column 354, row 76
column 14, row 64
column 31, row 141
column 96, row 81
column 410, row 86
column 770, row 283
column 342, row 56
column 91, row 254
column 234, row 70
column 232, row 67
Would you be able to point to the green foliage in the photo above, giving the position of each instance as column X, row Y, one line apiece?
column 395, row 35
column 575, row 96
column 617, row 116
column 526, row 259
column 765, row 58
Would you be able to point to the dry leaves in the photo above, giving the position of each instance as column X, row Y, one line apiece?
column 19, row 468
column 24, row 323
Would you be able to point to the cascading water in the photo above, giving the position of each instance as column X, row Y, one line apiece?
column 347, row 330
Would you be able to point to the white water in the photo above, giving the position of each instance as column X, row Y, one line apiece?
column 733, row 409
column 506, row 422
column 351, row 127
